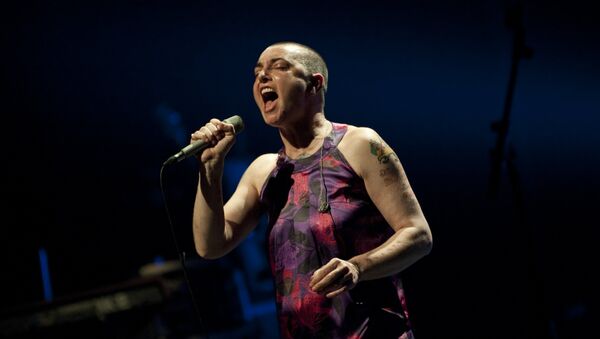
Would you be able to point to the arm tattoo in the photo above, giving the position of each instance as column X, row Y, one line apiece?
column 382, row 151
column 389, row 173
column 392, row 173
column 410, row 202
column 388, row 176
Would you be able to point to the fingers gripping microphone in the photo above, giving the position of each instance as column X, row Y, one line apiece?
column 198, row 146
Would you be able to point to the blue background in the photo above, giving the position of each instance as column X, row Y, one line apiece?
column 98, row 96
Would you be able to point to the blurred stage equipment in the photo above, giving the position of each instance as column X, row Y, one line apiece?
column 538, row 317
column 157, row 305
column 514, row 20
column 118, row 311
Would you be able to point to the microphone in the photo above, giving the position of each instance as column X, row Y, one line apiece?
column 198, row 146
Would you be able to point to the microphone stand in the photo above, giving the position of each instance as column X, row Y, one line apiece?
column 537, row 314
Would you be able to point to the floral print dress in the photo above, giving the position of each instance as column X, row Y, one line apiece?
column 301, row 239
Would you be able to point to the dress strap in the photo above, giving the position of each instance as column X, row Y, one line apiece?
column 337, row 133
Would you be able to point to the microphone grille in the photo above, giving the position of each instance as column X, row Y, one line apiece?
column 237, row 122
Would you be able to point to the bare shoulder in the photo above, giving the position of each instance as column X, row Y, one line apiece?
column 360, row 145
column 359, row 134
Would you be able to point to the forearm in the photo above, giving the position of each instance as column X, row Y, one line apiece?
column 209, row 218
column 401, row 250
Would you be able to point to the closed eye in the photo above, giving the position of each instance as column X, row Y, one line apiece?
column 280, row 65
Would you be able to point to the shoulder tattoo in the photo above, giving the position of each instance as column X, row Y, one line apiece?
column 386, row 157
column 391, row 172
column 382, row 151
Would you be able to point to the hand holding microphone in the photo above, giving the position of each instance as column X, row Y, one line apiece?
column 212, row 141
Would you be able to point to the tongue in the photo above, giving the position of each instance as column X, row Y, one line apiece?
column 269, row 105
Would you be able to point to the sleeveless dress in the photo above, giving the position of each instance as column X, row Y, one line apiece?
column 301, row 239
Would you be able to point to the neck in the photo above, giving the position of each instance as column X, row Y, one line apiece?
column 304, row 137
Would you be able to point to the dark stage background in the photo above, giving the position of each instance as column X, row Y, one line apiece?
column 96, row 97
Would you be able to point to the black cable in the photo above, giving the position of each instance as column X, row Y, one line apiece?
column 181, row 255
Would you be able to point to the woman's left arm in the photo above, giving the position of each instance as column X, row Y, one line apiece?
column 390, row 191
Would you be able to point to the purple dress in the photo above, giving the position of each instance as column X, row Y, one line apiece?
column 301, row 239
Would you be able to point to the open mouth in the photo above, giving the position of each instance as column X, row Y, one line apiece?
column 269, row 97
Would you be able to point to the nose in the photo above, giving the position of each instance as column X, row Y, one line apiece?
column 263, row 77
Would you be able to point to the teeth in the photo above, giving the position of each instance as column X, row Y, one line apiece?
column 266, row 90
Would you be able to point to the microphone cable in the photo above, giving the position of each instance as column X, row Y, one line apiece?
column 181, row 255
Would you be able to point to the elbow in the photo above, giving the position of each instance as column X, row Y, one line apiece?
column 424, row 240
column 427, row 244
column 207, row 246
column 206, row 253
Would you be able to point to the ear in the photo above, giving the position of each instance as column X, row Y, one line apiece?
column 316, row 82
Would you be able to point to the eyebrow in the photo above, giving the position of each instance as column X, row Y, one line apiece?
column 260, row 64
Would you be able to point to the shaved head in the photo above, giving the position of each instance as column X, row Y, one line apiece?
column 307, row 57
